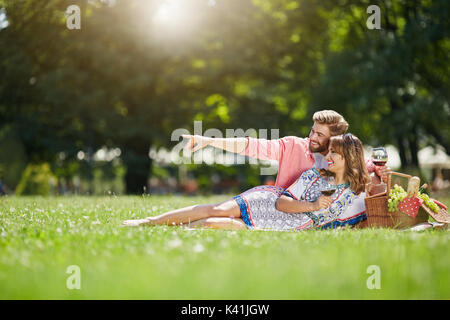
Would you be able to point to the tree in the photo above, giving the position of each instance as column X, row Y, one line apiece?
column 137, row 70
column 391, row 83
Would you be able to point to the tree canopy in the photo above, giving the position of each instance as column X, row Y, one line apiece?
column 137, row 70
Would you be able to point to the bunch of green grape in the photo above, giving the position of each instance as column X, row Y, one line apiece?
column 396, row 195
column 428, row 202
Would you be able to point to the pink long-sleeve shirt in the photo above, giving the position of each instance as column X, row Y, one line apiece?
column 293, row 156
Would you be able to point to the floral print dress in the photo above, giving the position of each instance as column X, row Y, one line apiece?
column 258, row 209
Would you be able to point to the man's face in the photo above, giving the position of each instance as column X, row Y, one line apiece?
column 319, row 138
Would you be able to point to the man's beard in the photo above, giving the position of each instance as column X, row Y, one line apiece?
column 319, row 148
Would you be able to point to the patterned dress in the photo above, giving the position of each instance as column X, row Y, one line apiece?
column 258, row 210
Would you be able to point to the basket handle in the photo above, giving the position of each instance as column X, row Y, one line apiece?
column 375, row 195
column 389, row 182
column 390, row 174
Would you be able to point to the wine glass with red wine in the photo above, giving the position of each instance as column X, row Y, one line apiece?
column 328, row 191
column 379, row 156
column 329, row 188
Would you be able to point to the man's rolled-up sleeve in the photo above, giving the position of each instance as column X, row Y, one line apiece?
column 264, row 149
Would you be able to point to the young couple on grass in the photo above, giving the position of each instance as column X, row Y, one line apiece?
column 328, row 159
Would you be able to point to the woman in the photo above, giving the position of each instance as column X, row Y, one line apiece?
column 299, row 207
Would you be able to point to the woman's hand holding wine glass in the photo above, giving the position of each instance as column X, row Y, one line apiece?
column 327, row 190
column 379, row 159
column 322, row 203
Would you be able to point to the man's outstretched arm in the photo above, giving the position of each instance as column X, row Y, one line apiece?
column 262, row 149
column 196, row 142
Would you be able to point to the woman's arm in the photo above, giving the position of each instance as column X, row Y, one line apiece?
column 381, row 171
column 290, row 205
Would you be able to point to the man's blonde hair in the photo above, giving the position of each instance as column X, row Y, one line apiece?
column 334, row 120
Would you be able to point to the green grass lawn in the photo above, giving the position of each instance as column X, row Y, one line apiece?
column 41, row 237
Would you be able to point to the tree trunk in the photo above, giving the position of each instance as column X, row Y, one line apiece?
column 413, row 144
column 138, row 164
column 414, row 148
column 434, row 131
column 402, row 151
column 399, row 136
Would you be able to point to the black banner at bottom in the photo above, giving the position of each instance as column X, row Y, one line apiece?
column 212, row 309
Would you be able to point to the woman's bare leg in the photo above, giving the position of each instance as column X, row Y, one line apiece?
column 228, row 208
column 219, row 223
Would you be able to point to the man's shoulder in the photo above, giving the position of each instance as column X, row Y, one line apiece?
column 286, row 139
column 296, row 145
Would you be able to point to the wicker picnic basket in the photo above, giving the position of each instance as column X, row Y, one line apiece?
column 378, row 215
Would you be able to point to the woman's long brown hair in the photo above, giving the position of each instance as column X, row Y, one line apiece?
column 351, row 148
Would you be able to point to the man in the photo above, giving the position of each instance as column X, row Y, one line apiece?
column 294, row 155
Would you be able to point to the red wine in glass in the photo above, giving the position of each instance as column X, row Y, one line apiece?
column 379, row 163
column 379, row 156
column 328, row 192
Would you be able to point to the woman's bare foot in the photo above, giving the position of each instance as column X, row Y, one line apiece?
column 136, row 222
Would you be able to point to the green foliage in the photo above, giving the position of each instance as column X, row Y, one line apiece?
column 37, row 179
column 13, row 163
column 66, row 169
column 391, row 84
column 122, row 81
column 160, row 172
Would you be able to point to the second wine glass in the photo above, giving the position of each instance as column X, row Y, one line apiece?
column 379, row 156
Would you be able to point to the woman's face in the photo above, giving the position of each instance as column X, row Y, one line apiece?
column 336, row 162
